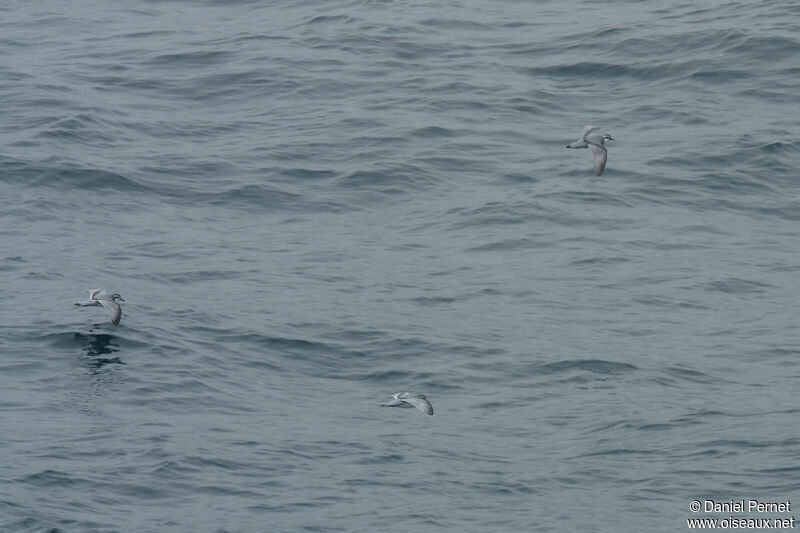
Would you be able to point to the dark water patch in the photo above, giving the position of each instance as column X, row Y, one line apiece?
column 281, row 343
column 598, row 261
column 668, row 302
column 789, row 212
column 399, row 179
column 350, row 370
column 12, row 263
column 36, row 525
column 433, row 301
column 731, row 446
column 454, row 24
column 518, row 178
column 738, row 286
column 505, row 246
column 788, row 353
column 230, row 491
column 259, row 198
column 591, row 365
column 359, row 335
column 332, row 19
column 204, row 463
column 389, row 376
column 51, row 478
column 704, row 229
column 87, row 179
column 98, row 349
column 303, row 174
column 506, row 488
column 698, row 418
column 433, row 132
column 764, row 47
column 378, row 460
column 71, row 339
column 617, row 452
column 720, row 76
column 161, row 89
column 159, row 249
column 585, row 69
column 41, row 276
column 81, row 128
column 784, row 472
column 267, row 197
column 780, row 147
column 611, row 71
column 202, row 276
column 640, row 244
column 201, row 58
column 97, row 362
column 778, row 93
column 232, row 84
column 683, row 374
column 614, row 427
column 656, row 427
column 248, row 38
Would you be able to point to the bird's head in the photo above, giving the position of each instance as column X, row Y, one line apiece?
column 607, row 137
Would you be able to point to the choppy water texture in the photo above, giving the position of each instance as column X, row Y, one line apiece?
column 309, row 206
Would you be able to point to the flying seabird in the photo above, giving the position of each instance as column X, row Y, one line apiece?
column 99, row 297
column 406, row 399
column 592, row 139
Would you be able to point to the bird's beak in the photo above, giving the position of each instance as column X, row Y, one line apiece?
column 610, row 138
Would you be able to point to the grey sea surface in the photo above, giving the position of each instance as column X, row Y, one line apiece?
column 309, row 206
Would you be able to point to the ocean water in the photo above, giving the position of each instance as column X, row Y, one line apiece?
column 309, row 206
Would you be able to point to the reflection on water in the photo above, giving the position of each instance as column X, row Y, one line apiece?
column 95, row 376
column 100, row 349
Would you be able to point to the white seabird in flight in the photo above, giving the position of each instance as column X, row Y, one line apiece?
column 592, row 139
column 406, row 399
column 98, row 297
